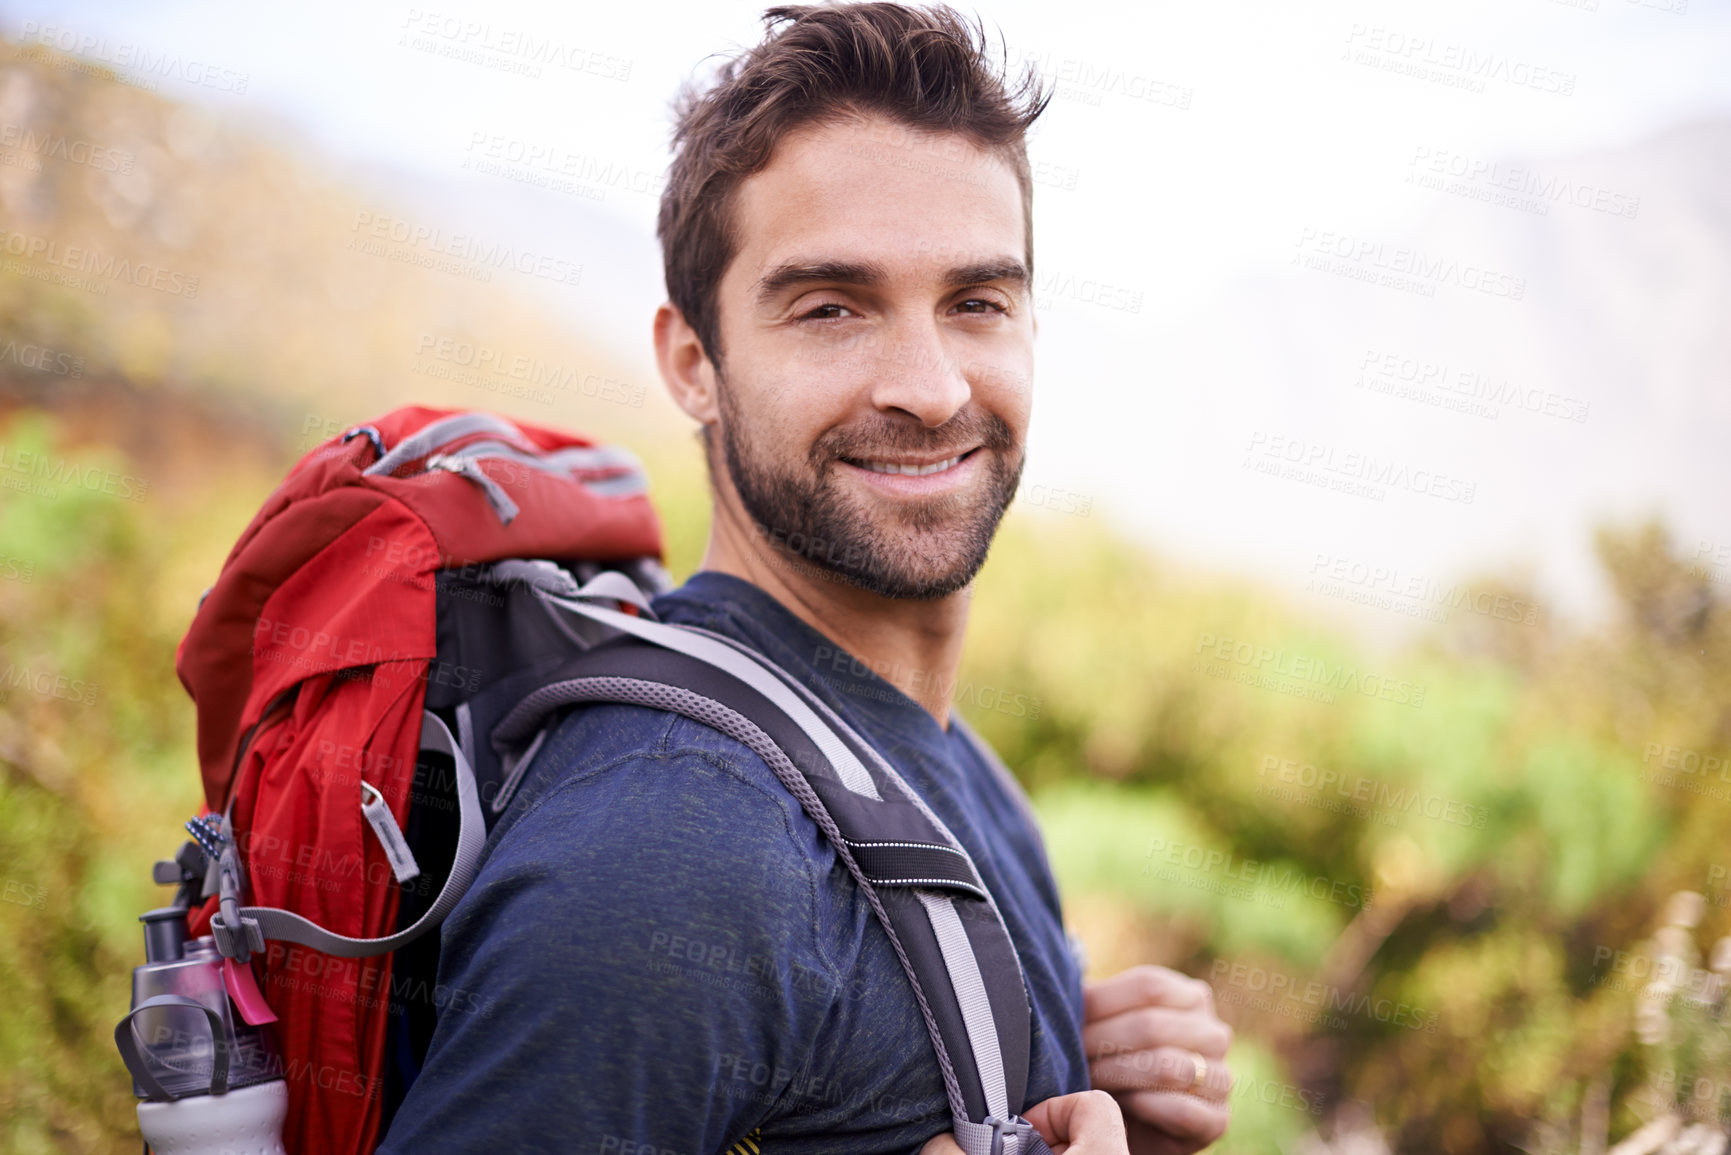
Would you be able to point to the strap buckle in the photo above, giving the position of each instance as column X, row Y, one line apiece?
column 237, row 944
column 236, row 935
column 1015, row 1136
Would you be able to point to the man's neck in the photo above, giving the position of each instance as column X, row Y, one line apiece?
column 914, row 645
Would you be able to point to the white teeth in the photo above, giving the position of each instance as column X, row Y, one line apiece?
column 911, row 470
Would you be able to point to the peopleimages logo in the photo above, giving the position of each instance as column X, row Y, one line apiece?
column 851, row 675
column 1455, row 65
column 1513, row 185
column 40, row 474
column 1681, row 759
column 1388, row 587
column 1384, row 797
column 1263, row 877
column 97, row 264
column 58, row 146
column 21, row 893
column 1465, row 390
column 1051, row 284
column 1323, row 1003
column 42, row 359
column 1296, row 458
column 519, row 50
column 1279, row 663
column 536, row 374
column 425, row 245
column 497, row 154
column 141, row 58
column 1398, row 266
column 46, row 684
column 1088, row 81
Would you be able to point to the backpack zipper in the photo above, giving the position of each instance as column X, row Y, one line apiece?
column 470, row 467
column 625, row 473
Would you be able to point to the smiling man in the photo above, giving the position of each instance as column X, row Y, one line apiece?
column 673, row 956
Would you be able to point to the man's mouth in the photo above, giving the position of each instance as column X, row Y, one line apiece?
column 909, row 467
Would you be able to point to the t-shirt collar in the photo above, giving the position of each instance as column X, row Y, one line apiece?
column 733, row 606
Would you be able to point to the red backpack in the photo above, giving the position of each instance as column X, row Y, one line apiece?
column 334, row 576
column 376, row 666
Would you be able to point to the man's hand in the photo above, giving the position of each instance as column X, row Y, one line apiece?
column 1153, row 1040
column 1086, row 1123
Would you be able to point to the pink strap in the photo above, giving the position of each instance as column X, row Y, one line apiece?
column 245, row 993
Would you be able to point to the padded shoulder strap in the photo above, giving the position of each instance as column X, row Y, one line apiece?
column 946, row 930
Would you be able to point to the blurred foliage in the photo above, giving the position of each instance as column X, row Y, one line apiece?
column 1518, row 831
column 95, row 743
column 1682, row 1016
column 1421, row 910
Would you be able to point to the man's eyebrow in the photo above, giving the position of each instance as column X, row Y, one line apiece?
column 1008, row 269
column 868, row 273
column 795, row 273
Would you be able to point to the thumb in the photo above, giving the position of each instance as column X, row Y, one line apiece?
column 1085, row 1123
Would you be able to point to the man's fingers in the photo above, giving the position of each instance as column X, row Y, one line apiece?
column 943, row 1143
column 1170, row 1069
column 1182, row 1117
column 1147, row 1027
column 1143, row 986
column 1086, row 1123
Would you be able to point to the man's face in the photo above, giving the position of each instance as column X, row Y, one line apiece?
column 877, row 351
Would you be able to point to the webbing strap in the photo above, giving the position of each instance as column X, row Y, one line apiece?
column 127, row 1042
column 287, row 926
column 847, row 767
column 970, row 991
column 549, row 578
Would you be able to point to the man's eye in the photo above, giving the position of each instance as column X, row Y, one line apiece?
column 980, row 305
column 827, row 312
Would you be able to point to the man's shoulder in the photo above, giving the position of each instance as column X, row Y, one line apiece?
column 630, row 815
column 647, row 909
column 618, row 760
column 598, row 738
column 651, row 803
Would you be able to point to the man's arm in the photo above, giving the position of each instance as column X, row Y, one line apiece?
column 642, row 927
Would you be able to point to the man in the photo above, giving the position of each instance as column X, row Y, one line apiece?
column 672, row 956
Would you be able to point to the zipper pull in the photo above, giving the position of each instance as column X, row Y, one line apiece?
column 470, row 468
column 384, row 824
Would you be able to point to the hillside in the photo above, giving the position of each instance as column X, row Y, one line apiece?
column 151, row 247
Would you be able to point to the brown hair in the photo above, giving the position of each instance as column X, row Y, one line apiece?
column 925, row 68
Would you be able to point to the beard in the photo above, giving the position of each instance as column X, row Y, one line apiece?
column 917, row 549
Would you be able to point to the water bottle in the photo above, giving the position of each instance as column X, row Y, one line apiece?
column 211, row 1083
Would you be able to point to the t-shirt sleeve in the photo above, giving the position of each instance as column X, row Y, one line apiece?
column 637, row 950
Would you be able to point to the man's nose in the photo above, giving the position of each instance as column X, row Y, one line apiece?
column 917, row 375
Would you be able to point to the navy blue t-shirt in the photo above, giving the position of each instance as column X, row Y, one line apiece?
column 661, row 953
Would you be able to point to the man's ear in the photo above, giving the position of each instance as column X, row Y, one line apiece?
column 685, row 366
